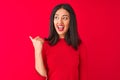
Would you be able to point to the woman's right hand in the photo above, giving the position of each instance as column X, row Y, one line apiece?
column 37, row 43
column 39, row 63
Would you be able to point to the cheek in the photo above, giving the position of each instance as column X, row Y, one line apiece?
column 67, row 27
column 67, row 24
column 54, row 23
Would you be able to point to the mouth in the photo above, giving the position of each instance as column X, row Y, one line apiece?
column 60, row 28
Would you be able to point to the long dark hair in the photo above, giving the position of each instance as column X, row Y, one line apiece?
column 71, row 37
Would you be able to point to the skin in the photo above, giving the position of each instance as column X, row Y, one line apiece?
column 61, row 18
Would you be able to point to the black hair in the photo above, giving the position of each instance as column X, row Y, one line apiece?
column 71, row 37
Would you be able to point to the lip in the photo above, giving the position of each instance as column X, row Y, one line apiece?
column 60, row 28
column 60, row 25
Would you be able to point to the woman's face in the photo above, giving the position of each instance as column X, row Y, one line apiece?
column 61, row 22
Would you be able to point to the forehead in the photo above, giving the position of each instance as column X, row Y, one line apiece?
column 62, row 12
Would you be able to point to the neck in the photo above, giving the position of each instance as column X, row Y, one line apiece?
column 62, row 36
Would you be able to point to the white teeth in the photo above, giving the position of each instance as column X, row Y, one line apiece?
column 60, row 26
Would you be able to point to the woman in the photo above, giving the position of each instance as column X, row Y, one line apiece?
column 62, row 55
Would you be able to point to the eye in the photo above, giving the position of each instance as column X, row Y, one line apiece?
column 56, row 17
column 65, row 18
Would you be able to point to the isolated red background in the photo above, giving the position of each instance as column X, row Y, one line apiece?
column 98, row 25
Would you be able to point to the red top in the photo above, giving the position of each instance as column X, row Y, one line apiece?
column 63, row 62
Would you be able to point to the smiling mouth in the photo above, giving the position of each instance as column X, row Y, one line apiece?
column 60, row 28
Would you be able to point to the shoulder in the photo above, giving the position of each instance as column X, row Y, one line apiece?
column 45, row 47
column 82, row 49
column 45, row 43
column 82, row 46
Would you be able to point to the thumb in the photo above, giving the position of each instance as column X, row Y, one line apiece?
column 31, row 38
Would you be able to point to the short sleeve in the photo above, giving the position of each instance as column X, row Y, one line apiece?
column 44, row 50
column 83, row 67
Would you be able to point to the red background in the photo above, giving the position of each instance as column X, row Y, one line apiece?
column 98, row 25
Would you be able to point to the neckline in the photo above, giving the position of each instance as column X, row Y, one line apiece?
column 61, row 39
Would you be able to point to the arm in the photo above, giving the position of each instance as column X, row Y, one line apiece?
column 39, row 61
column 39, row 65
column 83, row 62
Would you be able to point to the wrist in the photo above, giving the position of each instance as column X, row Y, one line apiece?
column 38, row 52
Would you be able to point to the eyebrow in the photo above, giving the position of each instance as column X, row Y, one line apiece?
column 65, row 15
column 62, row 15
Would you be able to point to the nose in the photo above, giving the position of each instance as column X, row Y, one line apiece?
column 60, row 21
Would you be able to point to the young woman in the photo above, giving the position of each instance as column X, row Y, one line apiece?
column 62, row 55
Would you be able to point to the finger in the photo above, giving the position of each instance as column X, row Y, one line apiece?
column 31, row 38
column 42, row 40
column 37, row 37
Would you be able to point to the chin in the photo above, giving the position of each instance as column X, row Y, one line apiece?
column 60, row 33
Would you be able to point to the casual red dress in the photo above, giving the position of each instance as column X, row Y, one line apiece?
column 63, row 62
